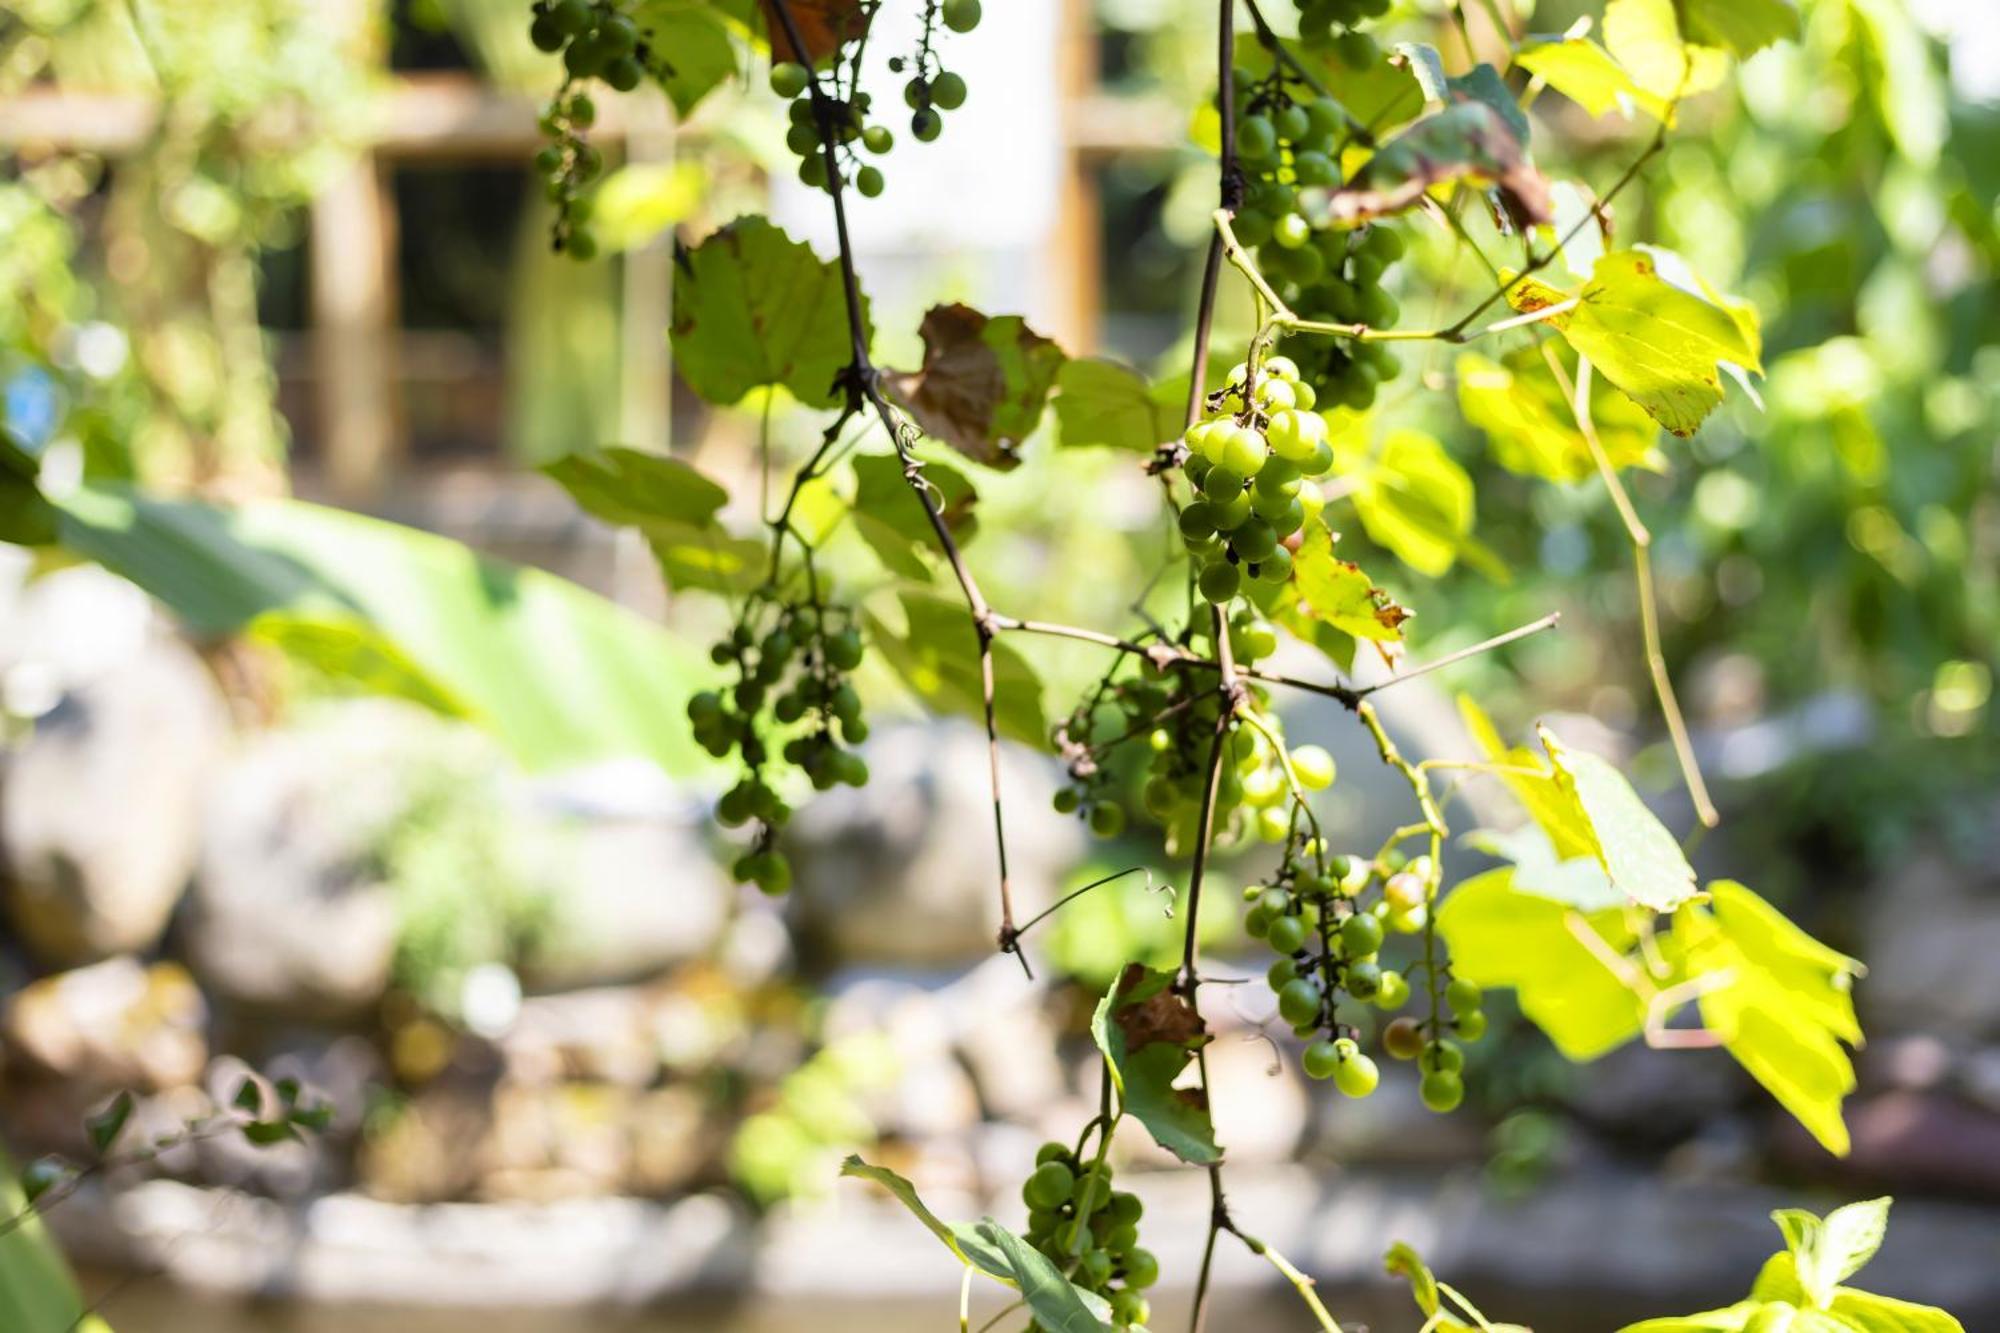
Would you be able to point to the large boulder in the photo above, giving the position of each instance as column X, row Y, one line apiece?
column 115, row 1024
column 99, row 805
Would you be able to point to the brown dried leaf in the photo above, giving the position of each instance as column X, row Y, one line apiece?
column 984, row 382
column 823, row 26
column 1163, row 1015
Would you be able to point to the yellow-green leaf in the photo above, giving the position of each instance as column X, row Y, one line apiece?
column 1104, row 403
column 1641, row 857
column 1519, row 404
column 1646, row 39
column 936, row 653
column 1533, row 781
column 1413, row 498
column 1586, row 73
column 1337, row 592
column 891, row 519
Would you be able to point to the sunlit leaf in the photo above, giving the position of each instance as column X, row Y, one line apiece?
column 1533, row 780
column 753, row 307
column 1742, row 27
column 1104, row 403
column 1339, row 593
column 984, row 382
column 1785, row 1009
column 1657, row 342
column 1057, row 1304
column 692, row 51
column 1645, row 37
column 1499, row 936
column 1149, row 1032
column 1586, row 73
column 1413, row 498
column 347, row 653
column 633, row 488
column 36, row 1288
column 936, row 653
column 963, row 1240
column 1402, row 1261
column 1578, row 882
column 641, row 200
column 1528, row 420
column 1865, row 1312
column 1642, row 858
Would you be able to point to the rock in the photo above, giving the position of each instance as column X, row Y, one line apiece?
column 603, row 1035
column 1933, row 930
column 902, row 871
column 1911, row 1142
column 115, row 1024
column 1648, row 1098
column 98, row 815
column 291, row 912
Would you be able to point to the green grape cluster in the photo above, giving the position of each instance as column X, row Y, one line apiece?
column 597, row 40
column 791, row 662
column 1090, row 1230
column 1315, row 914
column 930, row 91
column 1288, row 142
column 1249, row 459
column 568, row 165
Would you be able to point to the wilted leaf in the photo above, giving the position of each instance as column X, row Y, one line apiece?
column 1104, row 403
column 823, row 26
column 891, row 518
column 1644, row 861
column 753, row 307
column 1520, row 405
column 1148, row 1033
column 1339, row 593
column 1468, row 140
column 984, row 382
column 1659, row 343
column 937, row 655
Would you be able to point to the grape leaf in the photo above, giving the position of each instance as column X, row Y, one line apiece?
column 692, row 52
column 1865, row 1312
column 1742, row 27
column 1103, row 403
column 891, row 519
column 937, row 655
column 1148, row 1033
column 752, row 307
column 984, row 382
column 1826, row 1251
column 1057, row 1304
column 1578, row 882
column 1337, row 592
column 1482, row 83
column 37, row 1290
column 1586, row 73
column 346, row 650
column 1635, row 849
column 26, row 517
column 1658, row 343
column 1402, row 1261
column 640, row 200
column 1786, row 1008
column 973, row 1249
column 1645, row 37
column 1499, row 936
column 1533, row 781
column 1468, row 140
column 640, row 490
column 1413, row 499
column 1731, row 1320
column 1519, row 404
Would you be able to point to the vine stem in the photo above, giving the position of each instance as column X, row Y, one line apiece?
column 1305, row 1286
column 1641, row 538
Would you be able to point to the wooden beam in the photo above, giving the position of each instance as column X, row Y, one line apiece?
column 354, row 331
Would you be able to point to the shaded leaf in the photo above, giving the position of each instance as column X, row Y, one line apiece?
column 559, row 675
column 936, row 654
column 1466, row 141
column 26, row 518
column 1787, row 1006
column 1742, row 27
column 891, row 519
column 1338, row 592
column 636, row 489
column 1642, row 858
column 984, row 382
column 1499, row 936
column 752, row 307
column 972, row 1249
column 270, row 1133
column 1520, row 405
column 1657, row 342
column 823, row 26
column 1104, row 403
column 1482, row 83
column 1053, row 1299
column 1148, row 1033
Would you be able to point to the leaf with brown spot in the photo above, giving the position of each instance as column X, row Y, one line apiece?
column 984, row 382
column 1469, row 140
column 1148, row 1032
column 824, row 25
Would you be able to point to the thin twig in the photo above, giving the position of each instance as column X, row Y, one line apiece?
column 1549, row 621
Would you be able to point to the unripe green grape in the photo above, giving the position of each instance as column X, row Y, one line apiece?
column 1357, row 1075
column 1292, row 123
column 843, row 650
column 546, row 34
column 1107, row 819
column 1319, row 462
column 1275, row 567
column 1306, row 265
column 1442, row 1056
column 1095, row 1266
column 961, row 15
column 1053, row 1151
column 789, row 78
column 1294, row 435
column 1130, row 1310
column 1141, row 1269
column 583, row 58
column 1050, row 1186
column 1231, row 513
column 1316, row 169
column 1441, row 1090
column 1066, row 800
column 1357, row 50
column 1470, row 1024
column 771, row 873
column 1360, row 935
column 1263, row 786
column 926, row 125
column 1275, row 394
column 1220, row 581
column 948, row 91
column 1363, row 979
column 1256, row 138
column 1222, row 483
column 1464, row 997
column 1299, row 1000
column 1244, row 450
column 1393, row 991
column 1257, row 922
column 1093, row 1187
column 1403, row 1038
column 1321, row 1060
column 869, row 182
column 1326, row 116
column 572, row 16
column 1287, row 934
column 1253, row 539
column 1311, row 502
column 812, row 172
column 1253, row 227
column 1291, row 231
column 1281, row 972
column 1313, row 767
